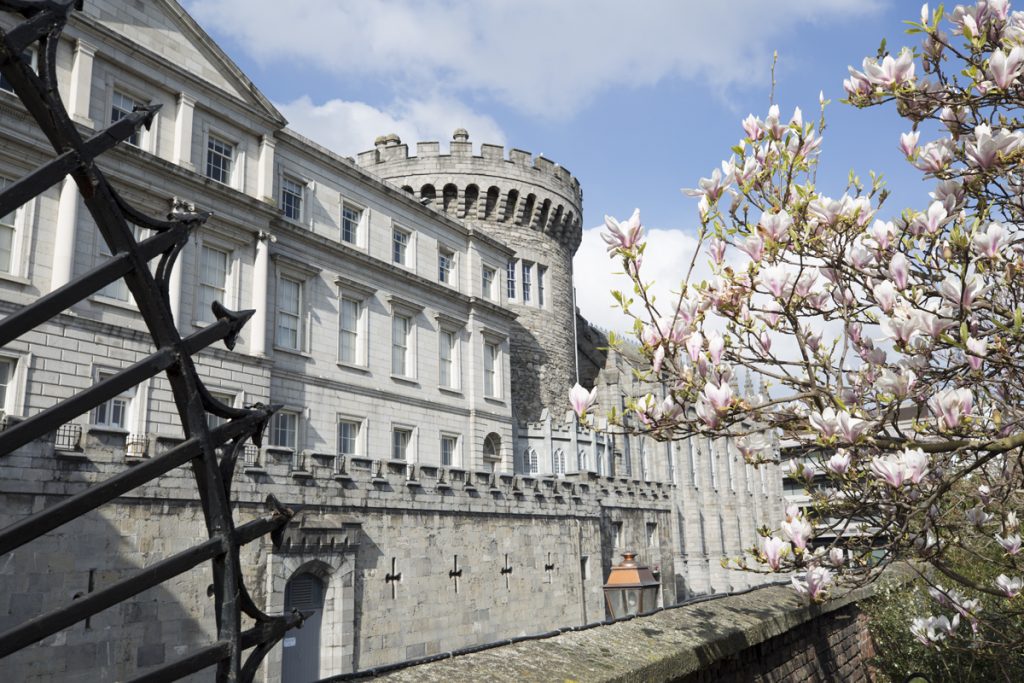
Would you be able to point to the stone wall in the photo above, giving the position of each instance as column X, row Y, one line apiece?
column 364, row 520
column 766, row 634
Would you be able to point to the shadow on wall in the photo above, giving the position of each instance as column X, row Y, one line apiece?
column 155, row 627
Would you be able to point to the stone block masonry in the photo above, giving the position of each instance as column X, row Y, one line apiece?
column 364, row 521
column 762, row 636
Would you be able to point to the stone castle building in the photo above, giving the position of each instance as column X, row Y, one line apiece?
column 414, row 316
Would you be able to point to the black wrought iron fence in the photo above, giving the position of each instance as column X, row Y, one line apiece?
column 212, row 451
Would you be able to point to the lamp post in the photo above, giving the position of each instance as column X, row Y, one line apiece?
column 631, row 588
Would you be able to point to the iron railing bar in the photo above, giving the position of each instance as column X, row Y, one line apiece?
column 50, row 173
column 197, row 661
column 64, row 297
column 45, row 625
column 48, row 519
column 115, row 385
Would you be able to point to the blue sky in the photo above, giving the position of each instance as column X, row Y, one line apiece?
column 636, row 102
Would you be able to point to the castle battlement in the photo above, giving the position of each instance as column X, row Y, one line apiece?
column 389, row 149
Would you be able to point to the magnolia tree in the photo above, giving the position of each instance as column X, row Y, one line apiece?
column 891, row 345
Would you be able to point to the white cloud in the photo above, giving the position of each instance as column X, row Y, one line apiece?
column 348, row 128
column 541, row 57
column 665, row 262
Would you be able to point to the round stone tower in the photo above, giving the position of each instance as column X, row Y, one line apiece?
column 534, row 206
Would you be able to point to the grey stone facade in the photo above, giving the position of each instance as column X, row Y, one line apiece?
column 424, row 422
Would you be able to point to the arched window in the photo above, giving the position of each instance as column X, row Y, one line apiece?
column 600, row 458
column 492, row 447
column 407, row 188
column 472, row 195
column 428, row 194
column 531, row 202
column 558, row 461
column 531, row 462
column 545, row 212
column 450, row 196
column 582, row 460
column 493, row 194
column 510, row 205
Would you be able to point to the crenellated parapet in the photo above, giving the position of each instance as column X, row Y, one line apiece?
column 520, row 189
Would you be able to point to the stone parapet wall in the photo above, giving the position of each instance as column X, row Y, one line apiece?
column 762, row 635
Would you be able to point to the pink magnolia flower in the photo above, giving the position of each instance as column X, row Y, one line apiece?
column 754, row 247
column 883, row 233
column 716, row 345
column 711, row 188
column 707, row 413
column 839, row 463
column 890, row 72
column 950, row 406
column 806, row 282
column 889, row 469
column 984, row 494
column 799, row 531
column 582, row 400
column 898, row 384
column 857, row 84
column 752, row 127
column 885, row 295
column 814, row 585
column 929, row 324
column 719, row 396
column 776, row 225
column 899, row 270
column 624, row 235
column 694, row 344
column 962, row 295
column 908, row 142
column 989, row 244
column 1004, row 68
column 915, row 464
column 1011, row 544
column 934, row 218
column 1009, row 586
column 775, row 279
column 977, row 516
column 717, row 251
column 775, row 550
column 837, row 556
column 935, row 156
column 932, row 630
column 772, row 124
column 984, row 150
column 658, row 359
column 977, row 349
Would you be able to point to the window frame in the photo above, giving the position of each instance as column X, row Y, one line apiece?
column 542, row 272
column 12, row 402
column 235, row 159
column 273, row 430
column 510, row 279
column 408, row 250
column 496, row 370
column 126, row 397
column 487, row 288
column 447, row 266
column 455, row 457
column 527, row 279
column 358, row 446
column 360, row 226
column 202, row 314
column 283, row 193
column 140, row 135
column 20, row 226
column 408, row 454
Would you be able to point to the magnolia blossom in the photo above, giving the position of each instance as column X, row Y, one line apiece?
column 890, row 72
column 754, row 246
column 582, row 400
column 898, row 384
column 775, row 226
column 716, row 345
column 908, row 142
column 931, row 630
column 915, row 462
column 976, row 351
column 984, row 150
column 814, row 585
column 711, row 188
column 1004, row 68
column 718, row 396
column 837, row 556
column 950, row 406
column 989, row 244
column 798, row 530
column 775, row 550
column 1010, row 522
column 1011, row 544
column 694, row 344
column 839, row 463
column 977, row 516
column 624, row 235
column 707, row 413
column 899, row 270
column 935, row 156
column 752, row 127
column 776, row 278
column 889, row 469
column 831, row 423
column 1009, row 586
column 885, row 295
